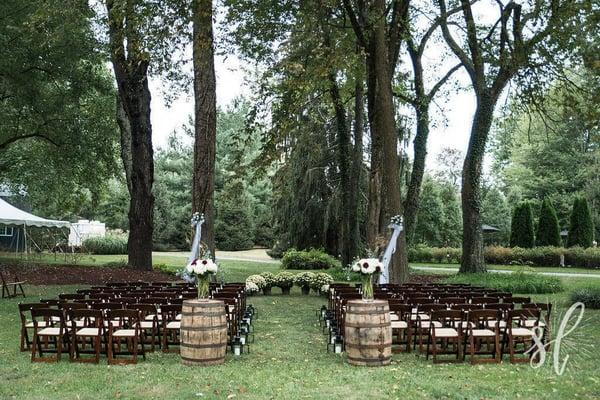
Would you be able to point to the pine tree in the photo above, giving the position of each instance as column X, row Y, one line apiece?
column 522, row 230
column 581, row 229
column 548, row 233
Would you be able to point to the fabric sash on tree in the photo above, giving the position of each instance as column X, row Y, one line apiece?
column 396, row 225
column 197, row 221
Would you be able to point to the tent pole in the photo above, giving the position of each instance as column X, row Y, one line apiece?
column 25, row 235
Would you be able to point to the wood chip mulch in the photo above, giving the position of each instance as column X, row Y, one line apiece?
column 40, row 274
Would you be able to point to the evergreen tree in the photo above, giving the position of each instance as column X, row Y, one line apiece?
column 581, row 229
column 548, row 232
column 234, row 228
column 522, row 230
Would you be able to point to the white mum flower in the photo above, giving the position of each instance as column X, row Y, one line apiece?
column 356, row 267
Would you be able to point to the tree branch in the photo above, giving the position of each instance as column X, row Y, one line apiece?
column 14, row 139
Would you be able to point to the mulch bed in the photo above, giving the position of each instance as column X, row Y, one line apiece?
column 425, row 278
column 41, row 274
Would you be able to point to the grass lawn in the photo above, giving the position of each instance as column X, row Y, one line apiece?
column 289, row 361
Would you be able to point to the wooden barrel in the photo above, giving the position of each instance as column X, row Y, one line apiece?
column 368, row 333
column 203, row 332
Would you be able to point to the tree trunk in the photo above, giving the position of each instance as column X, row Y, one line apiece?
column 131, row 73
column 472, row 245
column 384, row 128
column 125, row 129
column 374, row 203
column 411, row 203
column 357, row 166
column 205, row 120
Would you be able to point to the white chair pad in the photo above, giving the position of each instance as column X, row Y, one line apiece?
column 483, row 333
column 174, row 325
column 88, row 332
column 399, row 325
column 50, row 332
column 124, row 333
column 521, row 332
column 445, row 333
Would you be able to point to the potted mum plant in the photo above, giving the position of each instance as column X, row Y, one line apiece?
column 366, row 267
column 320, row 282
column 304, row 280
column 202, row 270
column 285, row 281
column 269, row 282
column 255, row 281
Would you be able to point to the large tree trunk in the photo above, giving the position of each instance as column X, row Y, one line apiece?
column 411, row 203
column 357, row 167
column 125, row 129
column 205, row 122
column 384, row 128
column 472, row 245
column 131, row 73
column 374, row 194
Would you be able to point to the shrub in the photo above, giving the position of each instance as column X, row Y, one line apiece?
column 586, row 258
column 284, row 280
column 590, row 296
column 269, row 278
column 420, row 254
column 304, row 279
column 340, row 274
column 521, row 229
column 111, row 244
column 257, row 280
column 279, row 248
column 581, row 228
column 321, row 279
column 518, row 282
column 548, row 232
column 308, row 259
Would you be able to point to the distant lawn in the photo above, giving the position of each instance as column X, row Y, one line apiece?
column 289, row 361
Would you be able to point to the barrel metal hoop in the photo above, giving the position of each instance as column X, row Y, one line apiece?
column 195, row 360
column 203, row 346
column 207, row 314
column 368, row 346
column 360, row 359
column 203, row 328
column 379, row 312
column 383, row 325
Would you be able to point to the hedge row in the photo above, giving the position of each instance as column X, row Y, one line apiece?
column 308, row 259
column 111, row 244
column 537, row 256
column 518, row 282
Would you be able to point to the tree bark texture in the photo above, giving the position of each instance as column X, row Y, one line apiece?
column 357, row 168
column 205, row 121
column 131, row 73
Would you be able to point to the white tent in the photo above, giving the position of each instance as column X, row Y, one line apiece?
column 10, row 215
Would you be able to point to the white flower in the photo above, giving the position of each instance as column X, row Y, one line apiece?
column 251, row 287
column 191, row 267
column 356, row 267
column 369, row 265
column 325, row 288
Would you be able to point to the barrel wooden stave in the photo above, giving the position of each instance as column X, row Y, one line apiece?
column 203, row 332
column 368, row 333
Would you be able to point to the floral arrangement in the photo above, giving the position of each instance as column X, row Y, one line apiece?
column 325, row 289
column 257, row 280
column 321, row 279
column 304, row 279
column 367, row 267
column 284, row 280
column 202, row 269
column 396, row 220
column 251, row 287
column 269, row 278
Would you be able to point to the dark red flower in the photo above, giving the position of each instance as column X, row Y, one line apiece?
column 204, row 262
column 378, row 269
column 365, row 265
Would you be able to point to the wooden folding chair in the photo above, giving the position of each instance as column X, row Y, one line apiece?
column 402, row 327
column 445, row 335
column 16, row 284
column 86, row 325
column 148, row 323
column 27, row 323
column 171, row 326
column 125, row 336
column 479, row 335
column 48, row 324
column 516, row 333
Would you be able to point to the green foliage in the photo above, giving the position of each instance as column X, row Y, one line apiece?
column 496, row 212
column 284, row 280
column 304, row 279
column 548, row 232
column 234, row 228
column 547, row 256
column 581, row 228
column 319, row 280
column 590, row 296
column 522, row 230
column 308, row 259
column 110, row 244
column 439, row 216
column 517, row 282
column 270, row 279
column 58, row 137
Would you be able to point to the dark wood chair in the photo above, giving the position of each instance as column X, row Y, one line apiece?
column 148, row 323
column 517, row 334
column 171, row 326
column 125, row 336
column 87, row 327
column 15, row 284
column 444, row 336
column 27, row 323
column 49, row 324
column 480, row 336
